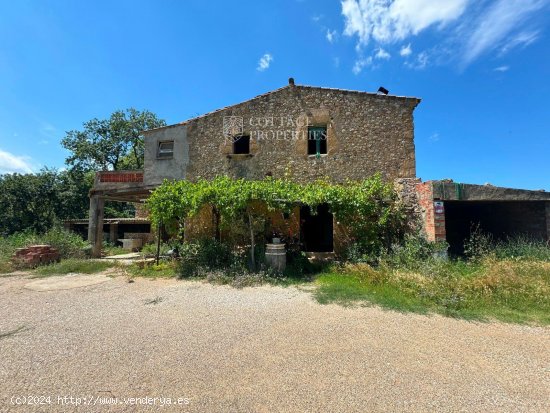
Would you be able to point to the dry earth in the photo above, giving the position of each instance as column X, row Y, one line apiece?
column 263, row 349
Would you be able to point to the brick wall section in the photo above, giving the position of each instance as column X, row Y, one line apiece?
column 440, row 233
column 434, row 223
column 120, row 176
column 35, row 255
column 367, row 134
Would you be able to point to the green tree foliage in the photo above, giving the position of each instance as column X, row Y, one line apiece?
column 27, row 202
column 110, row 144
column 35, row 202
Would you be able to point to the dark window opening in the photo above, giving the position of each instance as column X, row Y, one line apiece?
column 241, row 145
column 165, row 149
column 317, row 140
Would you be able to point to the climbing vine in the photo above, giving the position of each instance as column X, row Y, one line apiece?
column 368, row 207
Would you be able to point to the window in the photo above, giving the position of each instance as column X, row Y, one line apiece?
column 317, row 140
column 165, row 150
column 241, row 145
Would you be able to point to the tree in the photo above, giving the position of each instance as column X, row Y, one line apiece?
column 110, row 144
column 27, row 202
column 37, row 201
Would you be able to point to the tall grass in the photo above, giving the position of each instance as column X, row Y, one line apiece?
column 69, row 245
column 508, row 281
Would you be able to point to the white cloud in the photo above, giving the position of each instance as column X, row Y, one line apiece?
column 10, row 163
column 496, row 24
column 331, row 35
column 360, row 64
column 387, row 21
column 420, row 62
column 466, row 29
column 502, row 69
column 264, row 62
column 434, row 137
column 522, row 39
column 406, row 50
column 382, row 54
column 336, row 62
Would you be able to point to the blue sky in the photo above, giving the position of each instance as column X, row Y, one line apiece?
column 482, row 69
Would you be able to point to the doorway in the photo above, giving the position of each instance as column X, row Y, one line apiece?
column 316, row 230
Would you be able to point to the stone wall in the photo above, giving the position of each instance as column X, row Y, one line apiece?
column 406, row 189
column 367, row 134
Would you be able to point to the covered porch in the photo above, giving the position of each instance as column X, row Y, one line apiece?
column 117, row 186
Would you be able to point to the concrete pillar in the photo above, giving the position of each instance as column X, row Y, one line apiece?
column 113, row 232
column 95, row 225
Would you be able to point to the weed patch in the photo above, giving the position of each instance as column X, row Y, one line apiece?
column 165, row 269
column 507, row 290
column 73, row 265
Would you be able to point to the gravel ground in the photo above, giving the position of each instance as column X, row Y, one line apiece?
column 262, row 349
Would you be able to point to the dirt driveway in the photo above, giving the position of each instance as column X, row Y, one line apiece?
column 119, row 346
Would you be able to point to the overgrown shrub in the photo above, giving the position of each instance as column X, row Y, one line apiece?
column 69, row 244
column 478, row 244
column 414, row 252
column 198, row 258
column 150, row 249
column 298, row 266
column 220, row 263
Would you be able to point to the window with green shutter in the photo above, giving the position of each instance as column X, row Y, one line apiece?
column 317, row 140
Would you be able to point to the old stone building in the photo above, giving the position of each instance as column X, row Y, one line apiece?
column 361, row 134
column 300, row 132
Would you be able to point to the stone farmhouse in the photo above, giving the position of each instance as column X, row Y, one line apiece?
column 306, row 133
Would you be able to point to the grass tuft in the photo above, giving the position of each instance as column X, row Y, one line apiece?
column 165, row 269
column 73, row 265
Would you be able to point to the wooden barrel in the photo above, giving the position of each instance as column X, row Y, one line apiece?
column 275, row 256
